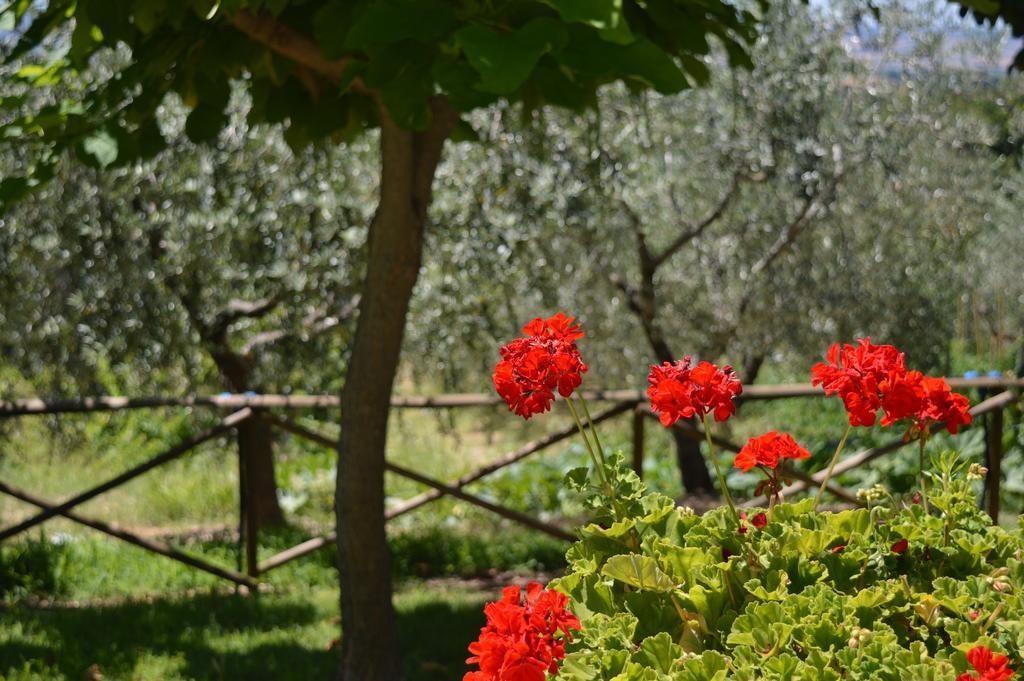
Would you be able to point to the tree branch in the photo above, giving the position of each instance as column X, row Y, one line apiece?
column 236, row 310
column 694, row 231
column 313, row 325
column 647, row 260
column 810, row 209
column 286, row 41
column 641, row 300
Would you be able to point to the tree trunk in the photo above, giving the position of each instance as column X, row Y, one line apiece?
column 752, row 364
column 255, row 446
column 692, row 468
column 369, row 650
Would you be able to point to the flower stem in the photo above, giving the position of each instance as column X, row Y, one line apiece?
column 922, row 440
column 831, row 467
column 718, row 469
column 593, row 430
column 586, row 440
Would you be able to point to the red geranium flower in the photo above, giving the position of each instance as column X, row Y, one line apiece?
column 679, row 391
column 759, row 521
column 561, row 327
column 534, row 367
column 900, row 546
column 521, row 641
column 939, row 404
column 856, row 374
column 988, row 666
column 839, row 549
column 767, row 450
column 901, row 394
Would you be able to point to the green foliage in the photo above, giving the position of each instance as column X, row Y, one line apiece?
column 539, row 215
column 432, row 551
column 665, row 594
column 324, row 66
column 134, row 267
column 33, row 568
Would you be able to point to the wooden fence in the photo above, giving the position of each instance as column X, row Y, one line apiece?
column 267, row 407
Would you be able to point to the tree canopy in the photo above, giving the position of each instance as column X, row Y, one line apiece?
column 320, row 68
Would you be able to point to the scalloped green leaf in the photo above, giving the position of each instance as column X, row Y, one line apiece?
column 638, row 571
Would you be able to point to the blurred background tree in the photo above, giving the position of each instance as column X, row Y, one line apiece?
column 216, row 267
column 819, row 196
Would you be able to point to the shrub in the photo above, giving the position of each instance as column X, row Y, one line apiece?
column 886, row 592
column 920, row 589
column 32, row 568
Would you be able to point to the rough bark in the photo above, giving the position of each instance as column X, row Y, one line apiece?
column 694, row 472
column 255, row 446
column 369, row 650
column 752, row 363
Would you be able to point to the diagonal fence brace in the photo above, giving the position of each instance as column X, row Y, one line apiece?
column 173, row 453
column 161, row 548
column 453, row 490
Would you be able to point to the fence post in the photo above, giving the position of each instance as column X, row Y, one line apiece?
column 995, row 462
column 247, row 533
column 638, row 441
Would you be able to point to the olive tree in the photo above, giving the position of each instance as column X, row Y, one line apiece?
column 164, row 267
column 759, row 218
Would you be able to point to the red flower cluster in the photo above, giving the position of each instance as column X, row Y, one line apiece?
column 870, row 377
column 679, row 391
column 768, row 450
column 939, row 404
column 856, row 375
column 532, row 368
column 988, row 667
column 518, row 643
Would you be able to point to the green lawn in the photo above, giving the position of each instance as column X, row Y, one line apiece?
column 281, row 636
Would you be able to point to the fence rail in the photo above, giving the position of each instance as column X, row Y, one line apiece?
column 35, row 405
column 244, row 407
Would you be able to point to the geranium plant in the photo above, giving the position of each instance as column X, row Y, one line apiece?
column 897, row 590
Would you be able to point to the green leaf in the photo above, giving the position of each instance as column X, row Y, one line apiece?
column 111, row 16
column 12, row 189
column 387, row 23
column 403, row 78
column 212, row 90
column 641, row 60
column 458, row 80
column 505, row 60
column 772, row 588
column 638, row 571
column 659, row 652
column 464, row 132
column 330, row 24
column 100, row 149
column 604, row 15
column 148, row 14
column 685, row 28
column 696, row 68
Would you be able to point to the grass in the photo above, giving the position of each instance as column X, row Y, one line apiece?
column 128, row 614
column 280, row 636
